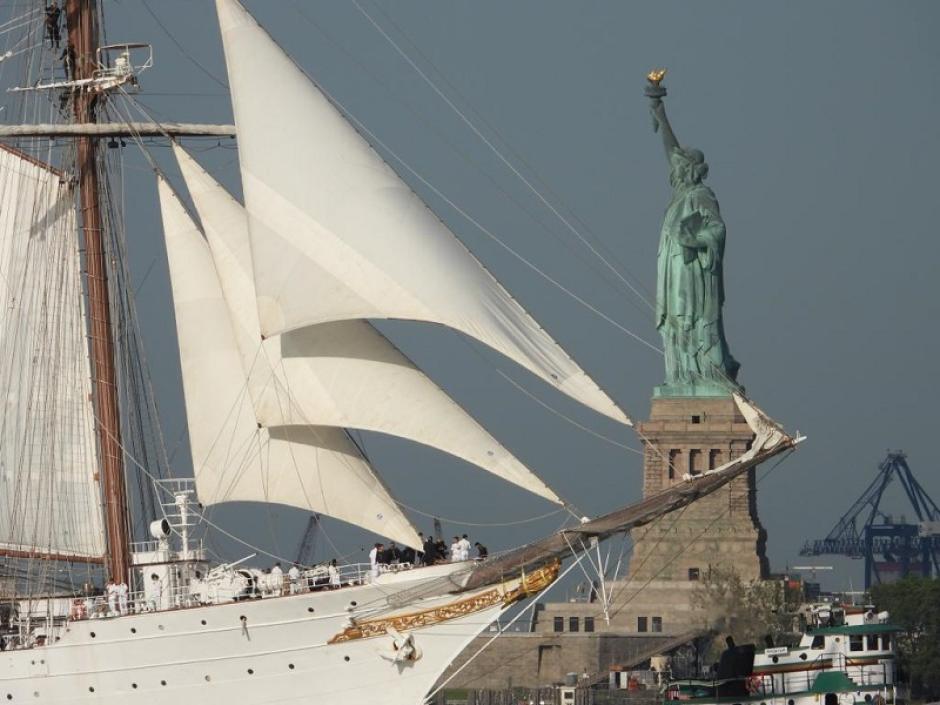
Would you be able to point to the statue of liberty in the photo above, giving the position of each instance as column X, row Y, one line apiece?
column 690, row 287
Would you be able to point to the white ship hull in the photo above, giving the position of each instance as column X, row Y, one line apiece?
column 279, row 652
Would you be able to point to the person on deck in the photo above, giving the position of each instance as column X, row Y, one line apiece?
column 122, row 592
column 111, row 591
column 408, row 555
column 374, row 560
column 276, row 584
column 455, row 550
column 393, row 555
column 464, row 548
column 155, row 593
column 333, row 571
column 430, row 551
column 293, row 575
column 481, row 550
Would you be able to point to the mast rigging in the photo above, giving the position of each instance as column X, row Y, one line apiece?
column 83, row 38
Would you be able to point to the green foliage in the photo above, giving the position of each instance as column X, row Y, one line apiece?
column 914, row 604
column 746, row 610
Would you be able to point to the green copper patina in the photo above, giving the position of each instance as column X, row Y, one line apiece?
column 690, row 288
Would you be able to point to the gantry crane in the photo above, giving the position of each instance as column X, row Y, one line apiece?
column 908, row 548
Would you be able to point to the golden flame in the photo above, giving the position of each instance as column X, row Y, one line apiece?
column 655, row 76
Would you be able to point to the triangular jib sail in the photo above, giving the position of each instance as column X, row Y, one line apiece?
column 337, row 235
column 343, row 374
column 235, row 457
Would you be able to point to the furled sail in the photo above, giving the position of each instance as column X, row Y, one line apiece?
column 337, row 235
column 235, row 457
column 50, row 502
column 343, row 373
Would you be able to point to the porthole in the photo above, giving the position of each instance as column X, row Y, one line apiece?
column 133, row 630
column 91, row 689
column 345, row 658
column 203, row 622
column 791, row 702
column 775, row 659
column 251, row 671
column 353, row 603
column 10, row 695
column 208, row 678
column 162, row 682
column 803, row 656
column 290, row 666
column 310, row 609
column 35, row 693
column 91, row 634
column 160, row 627
column 134, row 686
column 243, row 618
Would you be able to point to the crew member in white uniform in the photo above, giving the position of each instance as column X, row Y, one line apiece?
column 334, row 575
column 277, row 579
column 294, row 575
column 455, row 550
column 464, row 548
column 111, row 592
column 155, row 592
column 121, row 589
column 374, row 560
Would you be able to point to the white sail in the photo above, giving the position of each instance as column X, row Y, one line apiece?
column 50, row 501
column 337, row 235
column 235, row 457
column 336, row 374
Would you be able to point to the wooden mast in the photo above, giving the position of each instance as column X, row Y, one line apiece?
column 83, row 38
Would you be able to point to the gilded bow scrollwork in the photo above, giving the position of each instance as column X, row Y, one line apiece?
column 505, row 593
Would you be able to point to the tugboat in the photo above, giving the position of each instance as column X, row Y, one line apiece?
column 845, row 657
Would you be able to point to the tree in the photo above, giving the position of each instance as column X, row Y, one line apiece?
column 746, row 610
column 914, row 605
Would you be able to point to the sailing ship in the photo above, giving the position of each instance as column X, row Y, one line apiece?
column 273, row 300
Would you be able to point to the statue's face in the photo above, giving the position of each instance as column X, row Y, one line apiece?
column 686, row 169
column 680, row 173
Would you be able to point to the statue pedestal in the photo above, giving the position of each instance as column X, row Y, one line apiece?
column 695, row 390
column 689, row 435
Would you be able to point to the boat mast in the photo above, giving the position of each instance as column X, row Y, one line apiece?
column 83, row 38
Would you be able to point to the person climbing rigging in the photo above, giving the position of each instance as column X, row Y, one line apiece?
column 53, row 17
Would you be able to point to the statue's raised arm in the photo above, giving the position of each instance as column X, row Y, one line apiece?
column 656, row 92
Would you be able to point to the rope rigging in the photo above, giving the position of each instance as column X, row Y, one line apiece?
column 496, row 151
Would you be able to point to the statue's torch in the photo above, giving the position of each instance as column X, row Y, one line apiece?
column 655, row 91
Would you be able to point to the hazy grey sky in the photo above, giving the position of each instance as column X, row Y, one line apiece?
column 819, row 121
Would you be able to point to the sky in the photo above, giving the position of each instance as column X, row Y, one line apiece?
column 819, row 122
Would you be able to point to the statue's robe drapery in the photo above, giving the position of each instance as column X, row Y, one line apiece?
column 690, row 291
